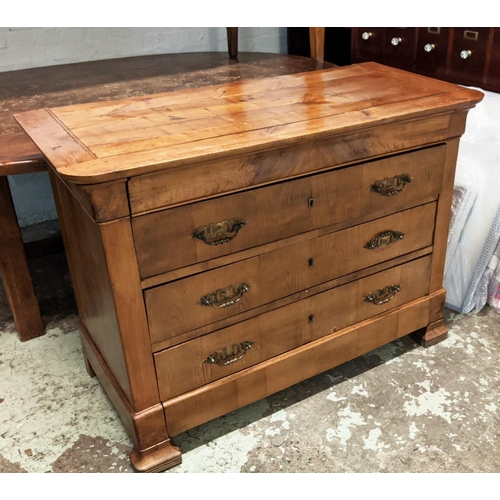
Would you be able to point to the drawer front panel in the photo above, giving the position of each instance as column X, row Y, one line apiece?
column 399, row 49
column 208, row 358
column 198, row 181
column 242, row 388
column 432, row 51
column 190, row 303
column 493, row 79
column 368, row 44
column 468, row 55
column 181, row 236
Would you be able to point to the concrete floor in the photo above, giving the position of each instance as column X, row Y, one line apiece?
column 400, row 408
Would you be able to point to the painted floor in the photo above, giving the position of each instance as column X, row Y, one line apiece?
column 401, row 408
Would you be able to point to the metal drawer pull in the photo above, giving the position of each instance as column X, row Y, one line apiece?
column 230, row 354
column 396, row 41
column 391, row 185
column 465, row 54
column 384, row 239
column 429, row 47
column 217, row 233
column 224, row 297
column 366, row 35
column 383, row 295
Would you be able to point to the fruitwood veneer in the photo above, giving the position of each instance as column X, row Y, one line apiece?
column 229, row 241
column 60, row 85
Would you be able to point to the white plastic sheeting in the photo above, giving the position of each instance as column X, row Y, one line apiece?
column 472, row 256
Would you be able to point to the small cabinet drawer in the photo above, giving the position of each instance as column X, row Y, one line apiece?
column 178, row 237
column 432, row 51
column 468, row 55
column 368, row 44
column 399, row 49
column 211, row 357
column 493, row 79
column 208, row 297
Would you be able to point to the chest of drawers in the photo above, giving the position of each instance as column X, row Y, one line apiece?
column 228, row 242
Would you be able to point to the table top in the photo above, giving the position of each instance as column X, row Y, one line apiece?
column 103, row 141
column 103, row 80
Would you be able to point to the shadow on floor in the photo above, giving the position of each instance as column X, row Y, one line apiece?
column 296, row 394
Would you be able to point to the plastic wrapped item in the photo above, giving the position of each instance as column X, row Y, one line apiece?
column 475, row 225
column 482, row 292
column 493, row 298
column 464, row 197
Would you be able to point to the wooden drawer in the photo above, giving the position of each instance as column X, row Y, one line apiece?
column 399, row 48
column 493, row 79
column 164, row 240
column 280, row 372
column 208, row 358
column 190, row 303
column 468, row 55
column 368, row 44
column 432, row 51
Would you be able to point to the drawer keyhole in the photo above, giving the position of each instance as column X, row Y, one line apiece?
column 310, row 202
column 311, row 318
column 310, row 262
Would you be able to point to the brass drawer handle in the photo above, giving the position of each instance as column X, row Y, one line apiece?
column 384, row 239
column 383, row 295
column 230, row 354
column 217, row 233
column 391, row 185
column 224, row 297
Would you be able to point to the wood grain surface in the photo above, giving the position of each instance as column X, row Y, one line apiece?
column 300, row 162
column 164, row 239
column 175, row 308
column 95, row 81
column 184, row 367
column 239, row 389
column 144, row 134
column 15, row 272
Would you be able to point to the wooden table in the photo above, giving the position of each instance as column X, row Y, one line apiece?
column 89, row 82
column 227, row 242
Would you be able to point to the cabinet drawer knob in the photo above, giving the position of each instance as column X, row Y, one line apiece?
column 465, row 54
column 225, row 297
column 230, row 354
column 429, row 47
column 383, row 295
column 391, row 185
column 396, row 41
column 384, row 239
column 217, row 233
column 366, row 35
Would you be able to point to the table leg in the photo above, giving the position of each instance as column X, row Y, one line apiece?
column 15, row 272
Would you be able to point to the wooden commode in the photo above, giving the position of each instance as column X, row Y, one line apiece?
column 230, row 241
